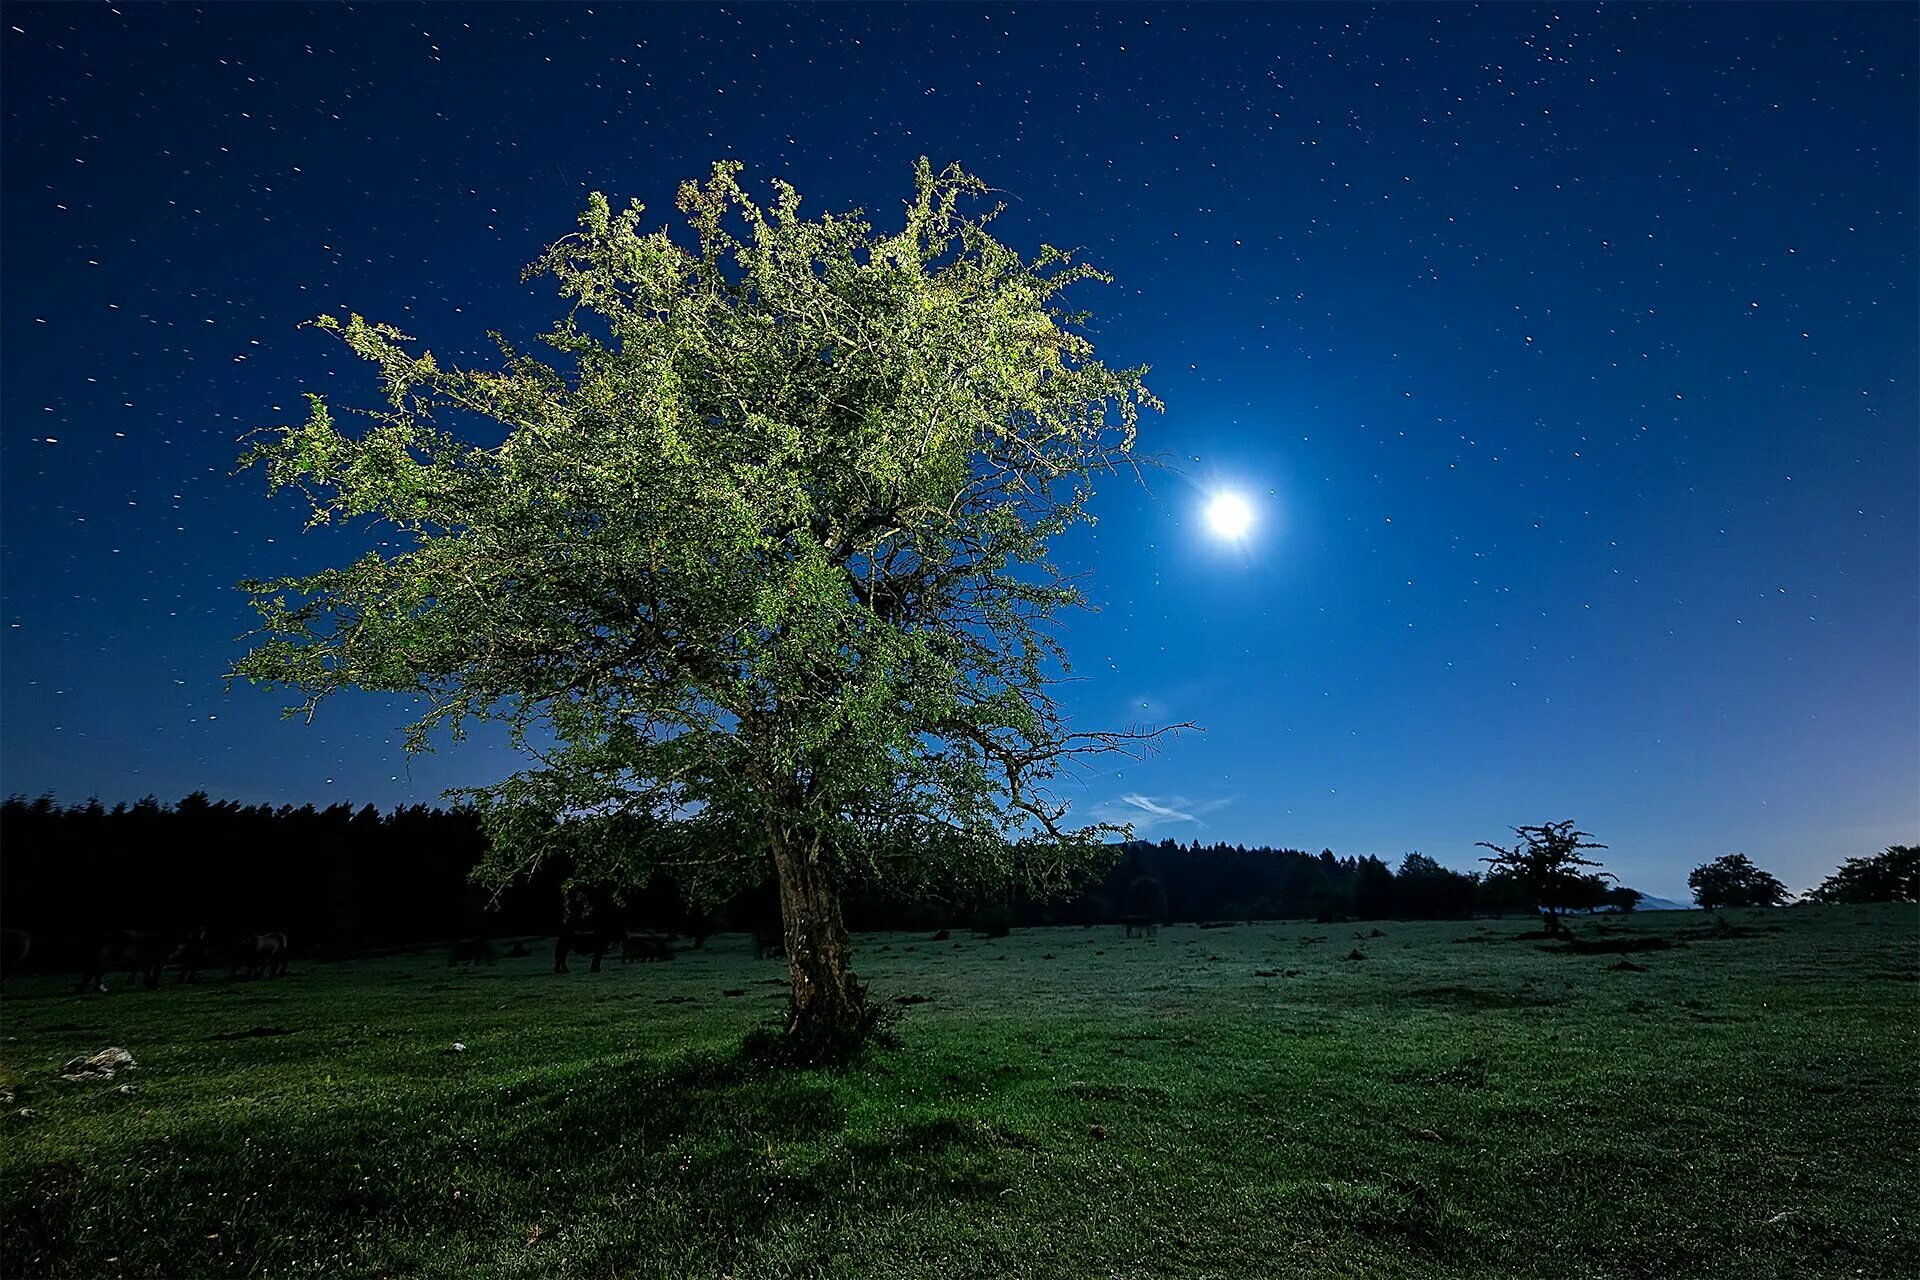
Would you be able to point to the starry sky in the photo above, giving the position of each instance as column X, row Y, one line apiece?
column 1566, row 356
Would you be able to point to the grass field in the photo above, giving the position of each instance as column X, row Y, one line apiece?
column 1216, row 1102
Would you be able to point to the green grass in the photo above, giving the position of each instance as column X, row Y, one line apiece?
column 1066, row 1102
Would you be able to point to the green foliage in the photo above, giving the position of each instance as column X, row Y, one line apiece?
column 761, row 554
column 1732, row 880
column 1892, row 875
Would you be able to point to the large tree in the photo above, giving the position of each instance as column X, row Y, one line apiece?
column 1732, row 880
column 756, row 570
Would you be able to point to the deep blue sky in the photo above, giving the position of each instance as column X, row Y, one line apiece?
column 1567, row 354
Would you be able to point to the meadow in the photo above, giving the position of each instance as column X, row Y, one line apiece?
column 1666, row 1100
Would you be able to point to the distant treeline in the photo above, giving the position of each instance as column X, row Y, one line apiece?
column 360, row 877
column 335, row 873
column 1170, row 881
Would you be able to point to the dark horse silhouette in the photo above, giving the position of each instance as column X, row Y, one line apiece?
column 260, row 954
column 128, row 951
column 192, row 953
column 584, row 942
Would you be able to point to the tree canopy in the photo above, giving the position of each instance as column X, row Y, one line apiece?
column 1892, row 875
column 1546, row 866
column 1733, row 881
column 756, row 568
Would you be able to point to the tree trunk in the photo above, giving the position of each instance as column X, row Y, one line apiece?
column 828, row 1018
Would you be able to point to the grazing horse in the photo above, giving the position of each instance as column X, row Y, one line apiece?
column 129, row 950
column 191, row 955
column 584, row 942
column 261, row 954
column 14, row 945
column 644, row 944
column 1145, row 926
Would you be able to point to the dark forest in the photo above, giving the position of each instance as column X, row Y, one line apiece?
column 344, row 879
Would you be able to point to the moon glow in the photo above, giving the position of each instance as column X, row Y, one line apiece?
column 1229, row 516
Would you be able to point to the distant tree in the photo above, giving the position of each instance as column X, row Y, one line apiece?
column 1623, row 899
column 1586, row 893
column 1373, row 889
column 1501, row 894
column 764, row 555
column 1547, row 867
column 1425, row 890
column 1302, row 883
column 1732, row 880
column 1892, row 875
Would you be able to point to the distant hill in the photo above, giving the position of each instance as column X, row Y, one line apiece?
column 1651, row 903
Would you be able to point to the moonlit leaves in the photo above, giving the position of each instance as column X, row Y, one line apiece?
column 767, row 549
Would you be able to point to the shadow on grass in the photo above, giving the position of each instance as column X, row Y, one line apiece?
column 1382, row 1223
column 698, row 1158
column 1481, row 998
column 1396, row 1206
column 1469, row 1072
column 1608, row 946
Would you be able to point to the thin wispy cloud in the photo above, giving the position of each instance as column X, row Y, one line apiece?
column 1152, row 813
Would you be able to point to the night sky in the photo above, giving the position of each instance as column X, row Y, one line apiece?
column 1567, row 357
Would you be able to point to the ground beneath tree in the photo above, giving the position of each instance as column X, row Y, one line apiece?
column 1063, row 1102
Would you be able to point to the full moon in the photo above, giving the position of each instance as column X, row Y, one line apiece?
column 1229, row 516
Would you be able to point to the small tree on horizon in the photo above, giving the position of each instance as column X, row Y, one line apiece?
column 1623, row 899
column 1732, row 880
column 758, row 573
column 1546, row 865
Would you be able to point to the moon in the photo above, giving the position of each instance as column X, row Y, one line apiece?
column 1229, row 516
